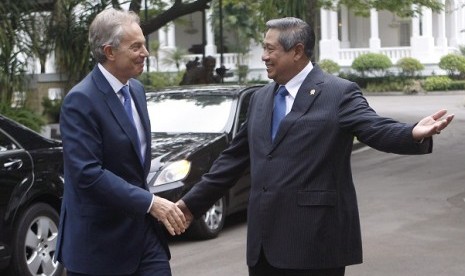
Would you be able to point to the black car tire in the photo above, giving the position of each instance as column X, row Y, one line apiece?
column 30, row 243
column 211, row 223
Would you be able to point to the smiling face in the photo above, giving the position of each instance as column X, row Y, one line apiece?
column 127, row 61
column 280, row 64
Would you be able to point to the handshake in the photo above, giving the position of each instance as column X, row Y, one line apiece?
column 175, row 216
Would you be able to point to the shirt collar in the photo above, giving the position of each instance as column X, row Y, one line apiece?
column 294, row 84
column 114, row 82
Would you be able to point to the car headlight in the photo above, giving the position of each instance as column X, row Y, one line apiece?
column 175, row 171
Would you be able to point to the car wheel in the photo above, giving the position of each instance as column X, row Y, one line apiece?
column 211, row 223
column 35, row 241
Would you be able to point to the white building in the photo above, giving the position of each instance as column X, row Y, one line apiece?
column 344, row 36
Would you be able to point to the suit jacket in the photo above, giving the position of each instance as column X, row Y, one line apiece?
column 303, row 207
column 105, row 202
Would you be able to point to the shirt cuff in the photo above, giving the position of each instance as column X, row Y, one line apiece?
column 151, row 203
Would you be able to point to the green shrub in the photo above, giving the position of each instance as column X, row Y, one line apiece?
column 23, row 116
column 457, row 85
column 454, row 65
column 52, row 109
column 329, row 66
column 437, row 83
column 410, row 66
column 373, row 63
column 413, row 87
column 156, row 80
column 385, row 86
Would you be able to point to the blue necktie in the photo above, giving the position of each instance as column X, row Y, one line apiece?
column 127, row 103
column 279, row 110
column 127, row 106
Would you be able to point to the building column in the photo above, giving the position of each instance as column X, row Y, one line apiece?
column 166, row 36
column 210, row 47
column 329, row 43
column 441, row 40
column 453, row 24
column 374, row 42
column 423, row 44
column 345, row 43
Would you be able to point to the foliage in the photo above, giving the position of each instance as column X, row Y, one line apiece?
column 174, row 57
column 12, row 50
column 454, row 64
column 70, row 28
column 329, row 66
column 437, row 83
column 413, row 87
column 410, row 66
column 52, row 109
column 37, row 29
column 384, row 86
column 23, row 116
column 242, row 71
column 156, row 80
column 372, row 63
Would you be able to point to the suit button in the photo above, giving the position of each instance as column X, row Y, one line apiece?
column 269, row 157
column 264, row 189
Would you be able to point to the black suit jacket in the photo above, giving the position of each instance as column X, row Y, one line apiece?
column 303, row 207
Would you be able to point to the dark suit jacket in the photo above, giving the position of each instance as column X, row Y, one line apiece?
column 302, row 206
column 105, row 203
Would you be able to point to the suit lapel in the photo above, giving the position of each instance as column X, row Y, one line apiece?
column 265, row 111
column 307, row 94
column 138, row 96
column 117, row 109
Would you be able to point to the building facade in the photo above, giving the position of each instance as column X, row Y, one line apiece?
column 343, row 37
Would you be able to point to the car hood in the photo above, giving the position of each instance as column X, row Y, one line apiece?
column 167, row 147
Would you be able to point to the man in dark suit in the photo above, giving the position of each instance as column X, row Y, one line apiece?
column 302, row 214
column 107, row 223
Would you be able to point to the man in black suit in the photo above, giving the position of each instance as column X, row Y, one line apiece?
column 302, row 214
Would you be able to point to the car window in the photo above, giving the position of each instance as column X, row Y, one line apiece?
column 180, row 113
column 6, row 143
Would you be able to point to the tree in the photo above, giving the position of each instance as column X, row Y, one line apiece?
column 12, row 64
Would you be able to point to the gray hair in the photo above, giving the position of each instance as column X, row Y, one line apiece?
column 292, row 31
column 107, row 29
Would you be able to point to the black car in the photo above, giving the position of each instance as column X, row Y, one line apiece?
column 31, row 186
column 191, row 126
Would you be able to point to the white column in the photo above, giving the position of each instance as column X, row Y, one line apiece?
column 441, row 40
column 324, row 24
column 453, row 24
column 415, row 26
column 375, row 42
column 334, row 25
column 423, row 44
column 427, row 22
column 162, row 37
column 171, row 36
column 345, row 43
column 210, row 47
column 461, row 16
column 329, row 43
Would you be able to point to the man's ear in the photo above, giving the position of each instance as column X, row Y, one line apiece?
column 109, row 52
column 299, row 51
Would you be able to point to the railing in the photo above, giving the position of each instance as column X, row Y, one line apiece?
column 347, row 56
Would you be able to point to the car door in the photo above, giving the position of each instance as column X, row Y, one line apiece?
column 15, row 174
column 239, row 193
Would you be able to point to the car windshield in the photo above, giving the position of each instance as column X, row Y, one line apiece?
column 178, row 113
